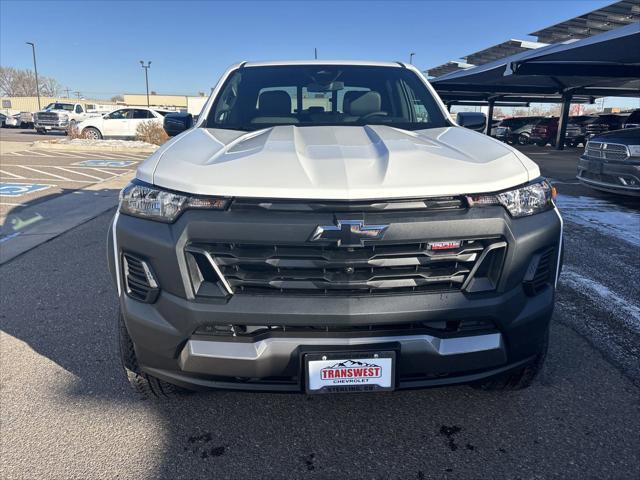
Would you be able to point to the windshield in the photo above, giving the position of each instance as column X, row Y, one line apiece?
column 60, row 106
column 309, row 95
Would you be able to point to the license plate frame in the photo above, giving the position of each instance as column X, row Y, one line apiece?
column 315, row 363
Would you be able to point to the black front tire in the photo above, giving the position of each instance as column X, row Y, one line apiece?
column 523, row 139
column 146, row 385
column 518, row 379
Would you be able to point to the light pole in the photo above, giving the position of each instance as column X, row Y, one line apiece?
column 146, row 77
column 35, row 68
column 411, row 57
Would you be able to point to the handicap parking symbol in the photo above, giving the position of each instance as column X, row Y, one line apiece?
column 19, row 189
column 105, row 163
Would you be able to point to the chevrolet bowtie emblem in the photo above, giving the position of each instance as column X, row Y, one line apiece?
column 348, row 233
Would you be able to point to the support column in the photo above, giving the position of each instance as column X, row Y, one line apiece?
column 562, row 121
column 490, row 116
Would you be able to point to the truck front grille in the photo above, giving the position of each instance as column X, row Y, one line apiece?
column 606, row 151
column 322, row 270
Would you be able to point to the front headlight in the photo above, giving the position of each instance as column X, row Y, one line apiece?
column 519, row 202
column 63, row 116
column 634, row 150
column 140, row 199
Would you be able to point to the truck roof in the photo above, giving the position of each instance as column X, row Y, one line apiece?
column 365, row 63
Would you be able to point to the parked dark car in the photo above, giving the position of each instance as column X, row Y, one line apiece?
column 545, row 131
column 516, row 129
column 633, row 120
column 611, row 162
column 603, row 124
column 3, row 117
column 576, row 130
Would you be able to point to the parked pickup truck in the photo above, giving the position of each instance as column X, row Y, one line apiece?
column 370, row 244
column 59, row 116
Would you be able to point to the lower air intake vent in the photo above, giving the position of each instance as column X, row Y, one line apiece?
column 539, row 273
column 139, row 281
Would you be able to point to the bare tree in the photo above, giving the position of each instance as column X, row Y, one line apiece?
column 117, row 98
column 22, row 83
column 49, row 87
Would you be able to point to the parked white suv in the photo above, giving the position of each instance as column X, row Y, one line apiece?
column 121, row 123
column 325, row 227
column 59, row 116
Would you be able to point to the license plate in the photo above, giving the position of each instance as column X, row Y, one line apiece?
column 350, row 372
column 47, row 128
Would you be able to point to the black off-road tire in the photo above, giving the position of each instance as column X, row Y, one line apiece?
column 516, row 379
column 146, row 385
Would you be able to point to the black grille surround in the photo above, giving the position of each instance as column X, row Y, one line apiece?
column 539, row 275
column 139, row 281
column 308, row 269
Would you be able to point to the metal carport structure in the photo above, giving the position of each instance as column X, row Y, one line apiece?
column 607, row 64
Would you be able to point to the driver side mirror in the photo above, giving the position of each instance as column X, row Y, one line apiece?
column 175, row 123
column 472, row 120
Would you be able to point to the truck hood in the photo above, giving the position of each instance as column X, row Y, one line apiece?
column 336, row 163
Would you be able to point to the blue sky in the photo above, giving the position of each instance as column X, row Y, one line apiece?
column 95, row 47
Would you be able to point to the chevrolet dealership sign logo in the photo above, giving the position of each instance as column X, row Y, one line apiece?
column 348, row 233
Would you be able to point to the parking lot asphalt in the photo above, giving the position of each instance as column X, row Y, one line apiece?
column 27, row 135
column 31, row 175
column 68, row 413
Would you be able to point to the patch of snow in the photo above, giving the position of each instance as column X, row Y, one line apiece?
column 609, row 301
column 605, row 217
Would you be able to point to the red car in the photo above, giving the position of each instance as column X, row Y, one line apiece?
column 545, row 131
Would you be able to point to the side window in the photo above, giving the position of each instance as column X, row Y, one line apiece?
column 119, row 114
column 79, row 109
column 6, row 103
column 142, row 114
column 227, row 100
column 420, row 111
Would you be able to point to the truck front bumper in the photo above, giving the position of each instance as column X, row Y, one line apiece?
column 186, row 340
column 610, row 176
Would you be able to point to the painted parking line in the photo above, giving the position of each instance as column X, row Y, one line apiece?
column 105, row 163
column 40, row 154
column 79, row 173
column 13, row 175
column 45, row 173
column 19, row 189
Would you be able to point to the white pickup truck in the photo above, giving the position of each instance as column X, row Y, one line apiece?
column 59, row 116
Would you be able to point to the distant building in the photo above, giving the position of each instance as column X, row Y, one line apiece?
column 191, row 104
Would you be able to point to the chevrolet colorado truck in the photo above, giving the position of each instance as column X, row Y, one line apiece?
column 324, row 227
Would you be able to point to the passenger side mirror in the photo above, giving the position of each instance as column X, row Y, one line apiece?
column 472, row 120
column 175, row 123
